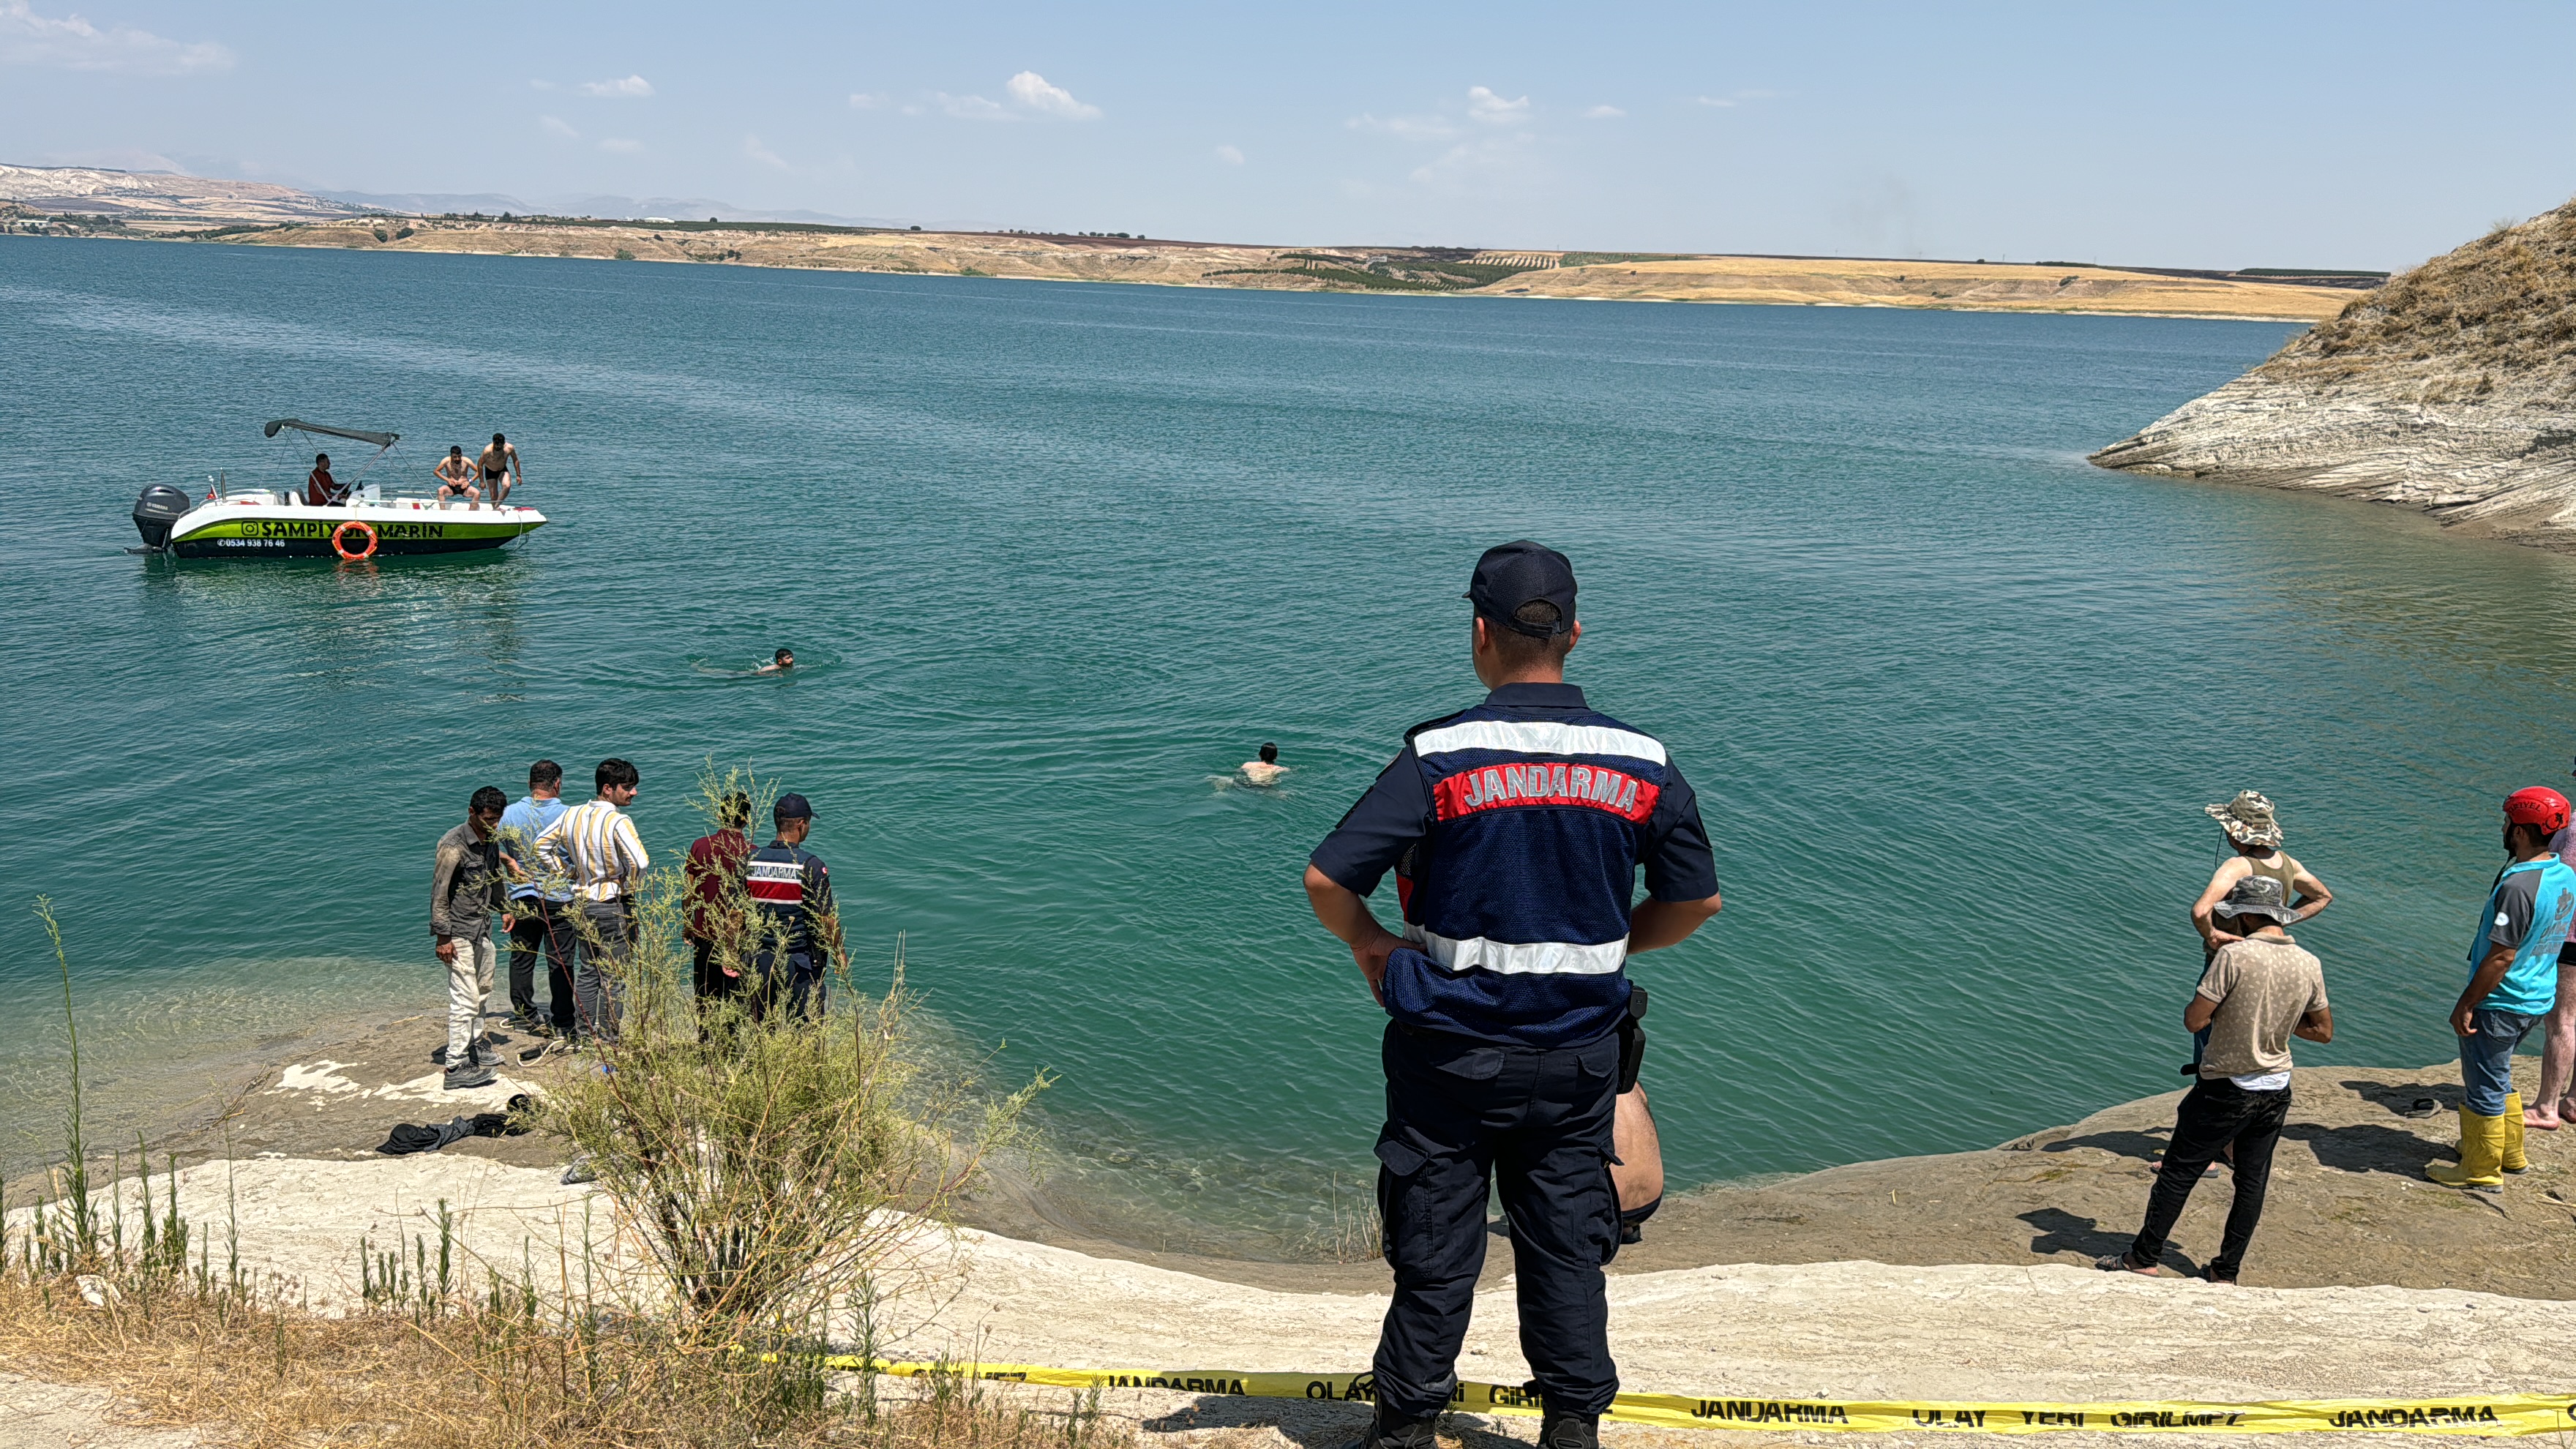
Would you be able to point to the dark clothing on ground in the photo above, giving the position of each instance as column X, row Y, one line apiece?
column 466, row 888
column 541, row 926
column 2214, row 1115
column 1461, row 1113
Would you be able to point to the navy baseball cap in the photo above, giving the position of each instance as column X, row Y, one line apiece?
column 1515, row 574
column 793, row 807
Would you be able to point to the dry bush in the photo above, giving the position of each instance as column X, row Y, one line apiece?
column 261, row 1373
column 2497, row 312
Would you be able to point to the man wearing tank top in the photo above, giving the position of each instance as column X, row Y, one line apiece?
column 2254, row 829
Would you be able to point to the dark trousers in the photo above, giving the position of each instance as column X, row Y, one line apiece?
column 2216, row 1114
column 791, row 983
column 712, row 983
column 1461, row 1114
column 606, row 932
column 542, row 926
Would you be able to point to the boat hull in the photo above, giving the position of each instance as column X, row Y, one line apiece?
column 227, row 529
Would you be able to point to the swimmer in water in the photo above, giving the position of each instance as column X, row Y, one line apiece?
column 1265, row 771
column 779, row 663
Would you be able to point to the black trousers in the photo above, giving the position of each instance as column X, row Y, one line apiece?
column 2216, row 1114
column 539, row 926
column 1461, row 1116
column 791, row 984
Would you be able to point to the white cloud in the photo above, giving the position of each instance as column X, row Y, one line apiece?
column 633, row 88
column 72, row 43
column 862, row 101
column 970, row 108
column 557, row 126
column 752, row 148
column 1492, row 110
column 1731, row 101
column 1603, row 113
column 621, row 145
column 1230, row 155
column 1031, row 90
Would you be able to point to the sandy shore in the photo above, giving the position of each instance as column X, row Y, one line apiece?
column 1951, row 1277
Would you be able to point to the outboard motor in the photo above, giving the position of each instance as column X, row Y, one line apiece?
column 156, row 512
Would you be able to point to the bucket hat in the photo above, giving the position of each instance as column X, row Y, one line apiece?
column 2257, row 895
column 2247, row 819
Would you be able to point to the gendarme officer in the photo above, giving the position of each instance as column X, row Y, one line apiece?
column 1528, row 817
column 798, row 925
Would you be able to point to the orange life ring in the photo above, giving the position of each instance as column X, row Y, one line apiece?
column 342, row 549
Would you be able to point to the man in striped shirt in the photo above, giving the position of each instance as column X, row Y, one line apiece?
column 594, row 845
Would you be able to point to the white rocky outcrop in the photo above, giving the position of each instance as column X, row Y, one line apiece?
column 2451, row 390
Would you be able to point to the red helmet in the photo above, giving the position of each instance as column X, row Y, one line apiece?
column 2539, row 806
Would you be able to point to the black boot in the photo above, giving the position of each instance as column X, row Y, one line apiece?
column 1569, row 1431
column 1386, row 1431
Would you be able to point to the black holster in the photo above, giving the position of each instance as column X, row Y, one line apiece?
column 1632, row 1040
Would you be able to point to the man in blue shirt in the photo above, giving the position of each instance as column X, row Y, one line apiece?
column 2513, row 983
column 1527, row 819
column 540, row 910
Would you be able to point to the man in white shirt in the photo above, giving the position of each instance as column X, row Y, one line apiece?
column 594, row 845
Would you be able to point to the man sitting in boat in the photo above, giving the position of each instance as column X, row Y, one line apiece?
column 321, row 490
column 456, row 479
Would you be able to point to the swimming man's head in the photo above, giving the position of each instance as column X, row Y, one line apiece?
column 784, row 658
column 1269, row 753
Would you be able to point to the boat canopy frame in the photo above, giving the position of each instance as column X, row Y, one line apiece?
column 384, row 442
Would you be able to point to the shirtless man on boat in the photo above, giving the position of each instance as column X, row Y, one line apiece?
column 456, row 479
column 500, row 465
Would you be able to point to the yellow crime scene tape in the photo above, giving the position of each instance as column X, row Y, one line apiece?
column 2500, row 1415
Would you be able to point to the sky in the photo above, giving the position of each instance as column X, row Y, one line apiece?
column 2347, row 135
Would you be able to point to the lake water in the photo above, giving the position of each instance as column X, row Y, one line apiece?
column 1055, row 558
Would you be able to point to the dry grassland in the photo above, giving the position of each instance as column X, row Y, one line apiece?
column 1761, row 280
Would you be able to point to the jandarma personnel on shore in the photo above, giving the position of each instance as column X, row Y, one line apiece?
column 799, row 925
column 2254, row 830
column 594, row 846
column 2513, row 984
column 1529, row 816
column 541, row 902
column 465, row 889
column 2260, row 989
column 715, row 882
column 2558, row 1041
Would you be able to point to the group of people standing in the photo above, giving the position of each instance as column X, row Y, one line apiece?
column 2259, row 988
column 562, row 879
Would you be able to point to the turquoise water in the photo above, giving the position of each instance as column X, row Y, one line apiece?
column 1055, row 558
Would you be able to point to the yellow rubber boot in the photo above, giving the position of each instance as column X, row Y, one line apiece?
column 2481, row 1155
column 2512, row 1159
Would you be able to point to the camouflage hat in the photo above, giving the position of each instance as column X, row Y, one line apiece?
column 2247, row 819
column 2256, row 895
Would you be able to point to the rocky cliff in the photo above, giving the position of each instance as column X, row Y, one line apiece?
column 2452, row 389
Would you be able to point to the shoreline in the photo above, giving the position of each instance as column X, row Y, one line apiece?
column 2057, row 290
column 2348, row 1206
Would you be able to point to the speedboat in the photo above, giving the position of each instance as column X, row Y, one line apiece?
column 366, row 521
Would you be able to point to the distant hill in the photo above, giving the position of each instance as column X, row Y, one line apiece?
column 2447, row 390
column 92, row 191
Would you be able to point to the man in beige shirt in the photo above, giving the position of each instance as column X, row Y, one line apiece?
column 2259, row 991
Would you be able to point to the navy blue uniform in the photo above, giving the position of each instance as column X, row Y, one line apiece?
column 1528, row 818
column 793, row 892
